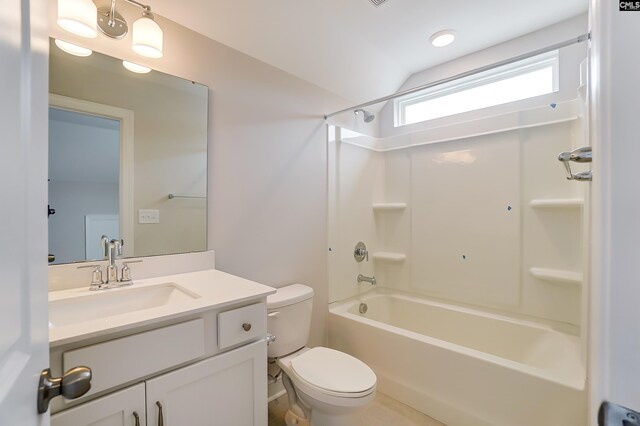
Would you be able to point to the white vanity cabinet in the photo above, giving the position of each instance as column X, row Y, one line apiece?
column 204, row 369
column 226, row 390
column 116, row 409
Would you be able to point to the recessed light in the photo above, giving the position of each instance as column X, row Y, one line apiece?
column 135, row 67
column 443, row 38
column 72, row 49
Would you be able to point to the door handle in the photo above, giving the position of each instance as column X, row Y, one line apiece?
column 73, row 384
column 137, row 418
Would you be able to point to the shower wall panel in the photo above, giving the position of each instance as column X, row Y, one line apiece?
column 466, row 219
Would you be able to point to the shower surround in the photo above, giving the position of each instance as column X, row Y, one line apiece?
column 477, row 216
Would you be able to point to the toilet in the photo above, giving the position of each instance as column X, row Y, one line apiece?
column 325, row 387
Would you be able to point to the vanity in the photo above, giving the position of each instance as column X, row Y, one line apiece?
column 183, row 349
column 128, row 174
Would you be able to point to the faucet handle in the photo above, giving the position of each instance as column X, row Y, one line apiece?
column 96, row 277
column 125, row 275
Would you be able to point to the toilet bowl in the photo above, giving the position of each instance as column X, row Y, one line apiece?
column 325, row 387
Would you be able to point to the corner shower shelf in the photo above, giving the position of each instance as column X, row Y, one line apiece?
column 389, row 257
column 557, row 203
column 377, row 207
column 557, row 276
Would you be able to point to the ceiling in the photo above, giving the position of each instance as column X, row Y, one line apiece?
column 355, row 49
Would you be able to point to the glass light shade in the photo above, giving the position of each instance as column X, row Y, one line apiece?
column 79, row 17
column 443, row 38
column 73, row 49
column 135, row 67
column 147, row 38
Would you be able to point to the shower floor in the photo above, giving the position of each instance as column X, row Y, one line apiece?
column 383, row 411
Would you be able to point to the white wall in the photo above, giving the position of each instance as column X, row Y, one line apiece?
column 267, row 159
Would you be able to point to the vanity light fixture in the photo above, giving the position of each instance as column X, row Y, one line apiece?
column 73, row 49
column 73, row 16
column 135, row 67
column 443, row 38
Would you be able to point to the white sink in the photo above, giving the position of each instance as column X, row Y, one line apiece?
column 104, row 304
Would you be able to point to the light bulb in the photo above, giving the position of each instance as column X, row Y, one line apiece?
column 147, row 38
column 79, row 17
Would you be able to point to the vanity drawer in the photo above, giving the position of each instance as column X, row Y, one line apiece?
column 242, row 325
column 129, row 358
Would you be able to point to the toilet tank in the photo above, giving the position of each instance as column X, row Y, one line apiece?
column 289, row 318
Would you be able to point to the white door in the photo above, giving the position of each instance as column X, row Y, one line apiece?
column 614, row 326
column 122, row 408
column 23, row 222
column 226, row 390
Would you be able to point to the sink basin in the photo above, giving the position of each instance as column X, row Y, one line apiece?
column 103, row 304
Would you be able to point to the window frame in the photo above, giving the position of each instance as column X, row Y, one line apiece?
column 505, row 72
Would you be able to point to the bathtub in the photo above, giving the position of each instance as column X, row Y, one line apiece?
column 462, row 366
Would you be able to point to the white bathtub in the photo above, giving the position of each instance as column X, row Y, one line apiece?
column 461, row 366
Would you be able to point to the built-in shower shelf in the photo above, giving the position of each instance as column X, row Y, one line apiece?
column 380, row 207
column 386, row 256
column 557, row 203
column 557, row 276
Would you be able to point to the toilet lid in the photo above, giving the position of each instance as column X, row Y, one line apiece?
column 333, row 371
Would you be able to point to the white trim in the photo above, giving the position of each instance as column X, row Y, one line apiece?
column 516, row 120
column 506, row 72
column 126, row 119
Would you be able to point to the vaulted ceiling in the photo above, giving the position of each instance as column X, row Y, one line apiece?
column 355, row 49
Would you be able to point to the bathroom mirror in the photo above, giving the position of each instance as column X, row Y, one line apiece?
column 127, row 159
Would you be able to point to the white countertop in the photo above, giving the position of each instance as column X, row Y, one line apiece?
column 211, row 289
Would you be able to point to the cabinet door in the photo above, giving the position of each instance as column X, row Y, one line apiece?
column 115, row 409
column 225, row 390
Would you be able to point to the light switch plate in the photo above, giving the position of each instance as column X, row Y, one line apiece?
column 148, row 216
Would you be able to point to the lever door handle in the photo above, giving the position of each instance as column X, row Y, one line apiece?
column 73, row 384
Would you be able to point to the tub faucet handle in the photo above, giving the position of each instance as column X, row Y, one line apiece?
column 360, row 253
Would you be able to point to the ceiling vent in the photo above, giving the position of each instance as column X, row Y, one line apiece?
column 377, row 3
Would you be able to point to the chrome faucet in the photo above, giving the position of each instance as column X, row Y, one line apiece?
column 114, row 249
column 363, row 278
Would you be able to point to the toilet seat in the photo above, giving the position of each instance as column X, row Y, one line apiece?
column 326, row 372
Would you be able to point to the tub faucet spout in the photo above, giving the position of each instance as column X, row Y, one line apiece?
column 363, row 278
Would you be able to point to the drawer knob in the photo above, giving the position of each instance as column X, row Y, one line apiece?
column 246, row 326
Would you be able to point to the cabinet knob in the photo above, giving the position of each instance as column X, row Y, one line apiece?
column 246, row 326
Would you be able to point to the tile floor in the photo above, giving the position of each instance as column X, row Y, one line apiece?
column 383, row 411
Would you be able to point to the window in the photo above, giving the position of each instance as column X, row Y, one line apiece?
column 521, row 80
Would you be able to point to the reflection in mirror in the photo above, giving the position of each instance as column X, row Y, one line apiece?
column 119, row 144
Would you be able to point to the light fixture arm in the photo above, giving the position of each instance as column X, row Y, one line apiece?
column 112, row 14
column 145, row 7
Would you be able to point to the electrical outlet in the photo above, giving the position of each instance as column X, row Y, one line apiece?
column 148, row 216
